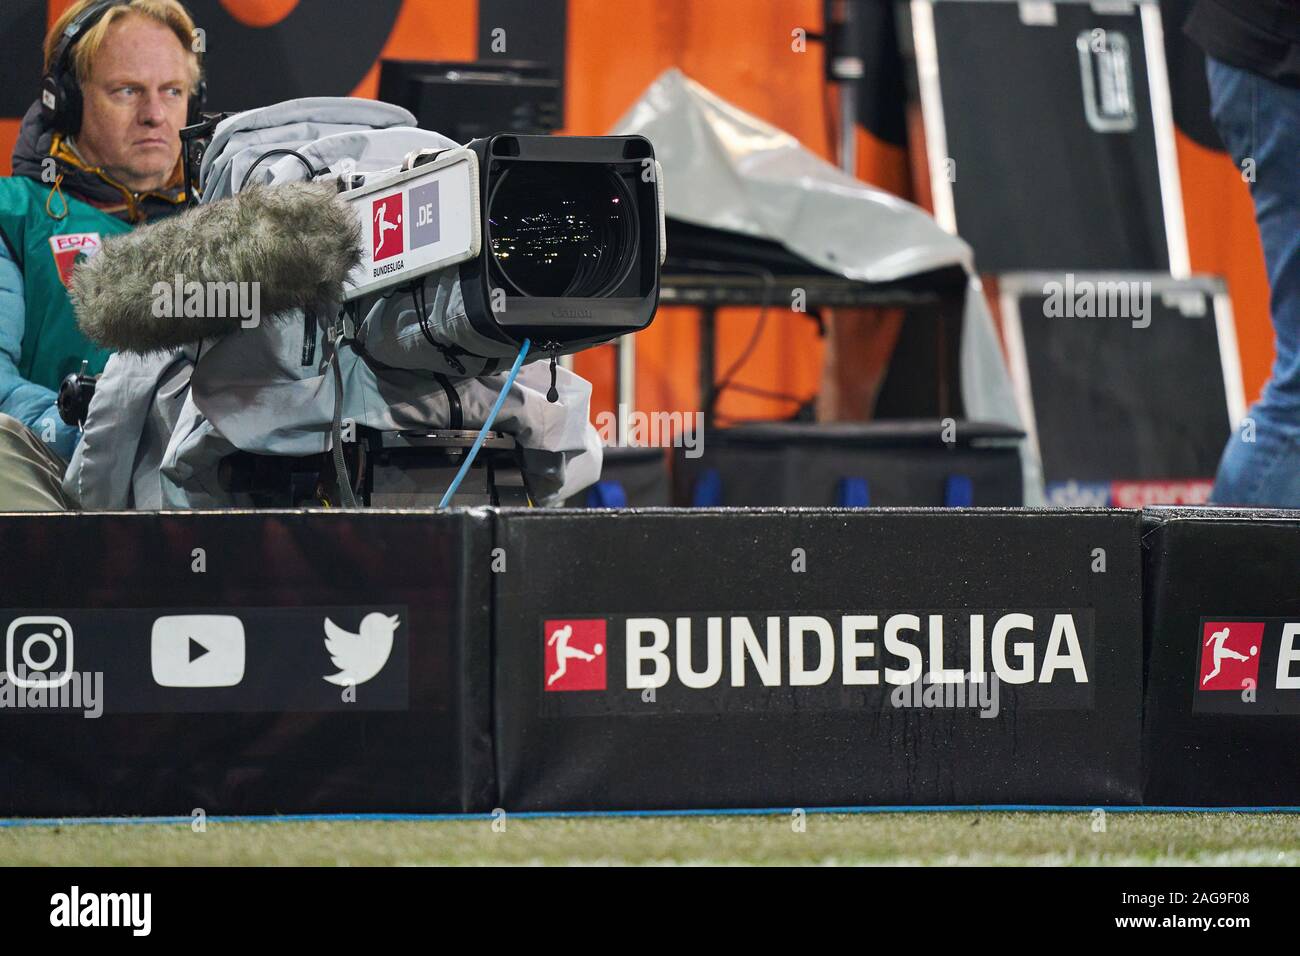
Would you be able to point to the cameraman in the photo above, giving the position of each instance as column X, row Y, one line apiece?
column 97, row 155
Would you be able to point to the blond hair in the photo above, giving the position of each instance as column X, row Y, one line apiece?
column 168, row 13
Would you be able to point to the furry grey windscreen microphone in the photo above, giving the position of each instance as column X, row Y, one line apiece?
column 206, row 271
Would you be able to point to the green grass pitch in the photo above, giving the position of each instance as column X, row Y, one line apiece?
column 926, row 838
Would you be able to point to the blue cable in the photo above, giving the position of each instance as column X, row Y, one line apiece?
column 487, row 426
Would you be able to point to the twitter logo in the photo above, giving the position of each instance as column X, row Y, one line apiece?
column 360, row 657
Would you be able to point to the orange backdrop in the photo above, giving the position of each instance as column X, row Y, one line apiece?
column 741, row 50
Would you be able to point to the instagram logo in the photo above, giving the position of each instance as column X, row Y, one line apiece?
column 43, row 646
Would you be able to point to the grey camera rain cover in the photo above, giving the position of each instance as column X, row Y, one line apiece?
column 160, row 424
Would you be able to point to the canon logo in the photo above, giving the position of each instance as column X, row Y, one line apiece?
column 851, row 650
column 570, row 313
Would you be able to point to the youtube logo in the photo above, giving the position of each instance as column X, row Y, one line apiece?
column 197, row 650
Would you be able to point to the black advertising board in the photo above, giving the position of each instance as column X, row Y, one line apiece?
column 1223, row 658
column 235, row 663
column 646, row 660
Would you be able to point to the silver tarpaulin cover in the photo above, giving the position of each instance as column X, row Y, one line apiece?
column 726, row 169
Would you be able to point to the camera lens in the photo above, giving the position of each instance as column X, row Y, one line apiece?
column 560, row 229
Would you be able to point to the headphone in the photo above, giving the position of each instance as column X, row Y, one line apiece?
column 61, row 102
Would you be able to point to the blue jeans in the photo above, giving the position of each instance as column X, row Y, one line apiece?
column 1259, row 120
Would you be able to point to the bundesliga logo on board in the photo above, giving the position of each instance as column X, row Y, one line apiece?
column 1230, row 655
column 575, row 654
column 811, row 651
column 1247, row 667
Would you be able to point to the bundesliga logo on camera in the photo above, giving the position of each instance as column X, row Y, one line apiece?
column 387, row 234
